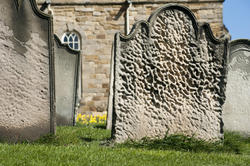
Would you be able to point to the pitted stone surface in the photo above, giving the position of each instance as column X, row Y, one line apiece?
column 236, row 111
column 24, row 73
column 167, row 81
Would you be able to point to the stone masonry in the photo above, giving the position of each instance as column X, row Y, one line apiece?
column 98, row 20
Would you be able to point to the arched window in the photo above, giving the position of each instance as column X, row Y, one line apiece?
column 72, row 39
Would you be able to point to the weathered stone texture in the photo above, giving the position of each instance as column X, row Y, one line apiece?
column 67, row 63
column 24, row 73
column 236, row 111
column 97, row 23
column 169, row 77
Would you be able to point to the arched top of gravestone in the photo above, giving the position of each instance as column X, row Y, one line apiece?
column 240, row 41
column 39, row 13
column 65, row 46
column 238, row 45
column 21, row 14
column 150, row 23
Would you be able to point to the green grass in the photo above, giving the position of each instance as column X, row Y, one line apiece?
column 83, row 145
column 233, row 143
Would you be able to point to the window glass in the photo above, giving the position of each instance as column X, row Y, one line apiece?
column 72, row 39
column 65, row 39
column 76, row 46
column 71, row 45
column 76, row 39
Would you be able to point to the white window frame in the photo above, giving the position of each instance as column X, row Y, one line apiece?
column 75, row 40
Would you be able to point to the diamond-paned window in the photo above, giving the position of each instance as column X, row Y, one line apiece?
column 72, row 39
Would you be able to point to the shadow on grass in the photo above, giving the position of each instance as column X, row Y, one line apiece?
column 100, row 127
column 97, row 126
column 232, row 143
column 76, row 135
column 88, row 139
column 47, row 139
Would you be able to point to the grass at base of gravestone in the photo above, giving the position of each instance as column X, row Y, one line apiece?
column 83, row 145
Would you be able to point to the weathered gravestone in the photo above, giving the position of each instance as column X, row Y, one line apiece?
column 26, row 71
column 67, row 67
column 236, row 111
column 169, row 77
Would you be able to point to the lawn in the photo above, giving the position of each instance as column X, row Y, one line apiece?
column 87, row 145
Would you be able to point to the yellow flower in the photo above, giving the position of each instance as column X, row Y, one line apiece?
column 87, row 119
column 92, row 119
column 84, row 122
column 78, row 117
column 83, row 117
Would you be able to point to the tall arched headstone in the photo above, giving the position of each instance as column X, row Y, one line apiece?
column 26, row 71
column 236, row 111
column 67, row 68
column 168, row 77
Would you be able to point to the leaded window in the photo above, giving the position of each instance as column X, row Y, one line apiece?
column 72, row 39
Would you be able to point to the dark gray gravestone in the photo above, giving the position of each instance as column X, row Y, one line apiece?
column 169, row 77
column 67, row 67
column 236, row 111
column 26, row 71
